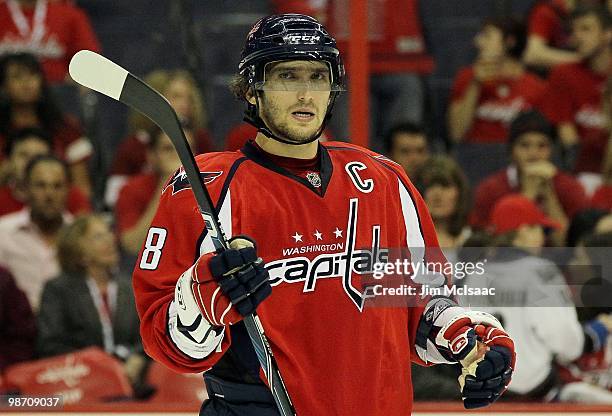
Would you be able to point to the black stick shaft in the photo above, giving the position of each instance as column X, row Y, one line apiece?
column 144, row 99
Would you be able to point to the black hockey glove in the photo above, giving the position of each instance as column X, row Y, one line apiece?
column 230, row 285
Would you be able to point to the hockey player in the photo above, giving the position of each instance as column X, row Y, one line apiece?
column 308, row 210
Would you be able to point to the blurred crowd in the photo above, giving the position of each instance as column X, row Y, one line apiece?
column 527, row 166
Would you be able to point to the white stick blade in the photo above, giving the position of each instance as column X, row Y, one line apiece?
column 94, row 71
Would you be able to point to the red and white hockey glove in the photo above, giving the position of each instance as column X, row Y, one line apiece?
column 230, row 285
column 218, row 290
column 486, row 353
column 223, row 287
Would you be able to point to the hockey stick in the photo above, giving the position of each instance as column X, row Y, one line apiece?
column 106, row 77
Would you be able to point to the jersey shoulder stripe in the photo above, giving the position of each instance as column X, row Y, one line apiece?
column 395, row 169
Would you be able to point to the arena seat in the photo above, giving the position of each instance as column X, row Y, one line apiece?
column 86, row 376
column 172, row 387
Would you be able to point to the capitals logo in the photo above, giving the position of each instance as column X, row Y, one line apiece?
column 344, row 264
column 180, row 182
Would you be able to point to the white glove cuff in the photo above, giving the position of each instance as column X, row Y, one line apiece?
column 188, row 329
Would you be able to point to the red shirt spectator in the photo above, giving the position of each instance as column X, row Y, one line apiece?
column 131, row 158
column 574, row 96
column 500, row 100
column 77, row 203
column 52, row 31
column 548, row 21
column 569, row 191
column 394, row 31
column 602, row 198
column 68, row 141
column 182, row 92
column 134, row 198
column 17, row 323
column 239, row 135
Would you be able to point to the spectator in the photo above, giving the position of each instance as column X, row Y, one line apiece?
column 397, row 60
column 487, row 95
column 27, row 102
column 573, row 100
column 602, row 198
column 597, row 247
column 532, row 174
column 23, row 146
column 239, row 135
column 28, row 237
column 604, row 225
column 52, row 31
column 447, row 195
column 17, row 323
column 532, row 300
column 139, row 196
column 407, row 144
column 582, row 225
column 589, row 273
column 548, row 40
column 88, row 305
column 181, row 90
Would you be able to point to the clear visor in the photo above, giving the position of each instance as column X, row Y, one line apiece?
column 297, row 76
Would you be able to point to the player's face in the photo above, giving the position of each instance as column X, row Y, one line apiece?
column 26, row 150
column 410, row 151
column 490, row 43
column 531, row 147
column 47, row 190
column 22, row 85
column 294, row 100
column 98, row 245
column 589, row 36
column 180, row 96
column 441, row 199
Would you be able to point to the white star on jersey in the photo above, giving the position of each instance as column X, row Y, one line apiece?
column 338, row 233
column 318, row 235
column 297, row 237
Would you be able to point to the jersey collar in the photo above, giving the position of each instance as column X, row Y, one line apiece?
column 326, row 168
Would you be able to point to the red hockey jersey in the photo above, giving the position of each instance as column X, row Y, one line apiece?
column 337, row 355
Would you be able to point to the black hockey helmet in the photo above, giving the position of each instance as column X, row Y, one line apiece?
column 287, row 37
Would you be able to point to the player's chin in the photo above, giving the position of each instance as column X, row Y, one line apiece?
column 301, row 135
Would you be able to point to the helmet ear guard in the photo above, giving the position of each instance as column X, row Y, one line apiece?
column 288, row 37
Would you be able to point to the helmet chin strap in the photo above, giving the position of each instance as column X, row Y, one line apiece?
column 252, row 117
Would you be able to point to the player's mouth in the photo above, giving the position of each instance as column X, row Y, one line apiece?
column 303, row 115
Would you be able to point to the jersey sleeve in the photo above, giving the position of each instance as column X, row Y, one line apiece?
column 484, row 198
column 422, row 242
column 171, row 247
column 571, row 194
column 556, row 102
column 542, row 22
column 461, row 82
column 77, row 201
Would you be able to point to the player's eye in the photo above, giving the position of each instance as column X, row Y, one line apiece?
column 319, row 76
column 286, row 75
